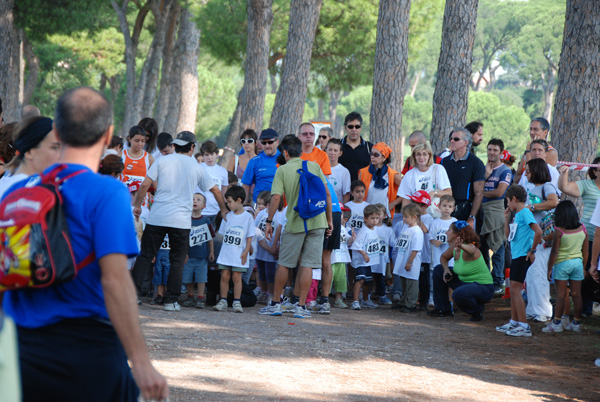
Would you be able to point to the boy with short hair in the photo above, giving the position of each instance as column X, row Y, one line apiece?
column 524, row 235
column 365, row 254
column 201, row 251
column 219, row 175
column 238, row 231
column 423, row 200
column 164, row 143
column 437, row 232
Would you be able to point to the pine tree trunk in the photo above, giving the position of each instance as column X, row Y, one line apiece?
column 33, row 69
column 454, row 70
column 291, row 95
column 260, row 19
column 164, row 96
column 577, row 107
column 10, row 63
column 391, row 55
column 189, row 72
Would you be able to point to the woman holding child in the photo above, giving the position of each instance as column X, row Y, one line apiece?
column 381, row 181
column 470, row 277
column 426, row 176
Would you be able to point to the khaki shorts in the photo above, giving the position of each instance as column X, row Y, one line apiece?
column 304, row 247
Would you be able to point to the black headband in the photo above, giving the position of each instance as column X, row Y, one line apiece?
column 35, row 133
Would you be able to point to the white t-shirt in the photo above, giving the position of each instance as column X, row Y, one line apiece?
column 176, row 176
column 379, row 195
column 524, row 182
column 357, row 219
column 411, row 239
column 220, row 179
column 340, row 181
column 258, row 236
column 437, row 231
column 342, row 254
column 386, row 236
column 6, row 182
column 235, row 230
column 397, row 229
column 435, row 178
column 366, row 240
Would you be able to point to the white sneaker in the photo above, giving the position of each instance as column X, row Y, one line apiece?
column 340, row 304
column 288, row 307
column 301, row 312
column 237, row 307
column 369, row 304
column 271, row 310
column 221, row 305
column 355, row 305
column 324, row 308
column 519, row 331
column 257, row 291
column 506, row 327
column 172, row 306
column 574, row 327
column 552, row 327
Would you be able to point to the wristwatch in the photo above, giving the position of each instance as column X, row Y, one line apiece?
column 471, row 217
column 268, row 221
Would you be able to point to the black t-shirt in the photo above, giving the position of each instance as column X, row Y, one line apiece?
column 462, row 174
column 357, row 158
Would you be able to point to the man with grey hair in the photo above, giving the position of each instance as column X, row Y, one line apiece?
column 467, row 176
column 29, row 111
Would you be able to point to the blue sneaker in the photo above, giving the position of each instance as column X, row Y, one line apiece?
column 385, row 300
column 271, row 310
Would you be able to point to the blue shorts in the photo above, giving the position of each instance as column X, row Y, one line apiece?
column 195, row 270
column 266, row 270
column 569, row 270
column 162, row 266
column 363, row 273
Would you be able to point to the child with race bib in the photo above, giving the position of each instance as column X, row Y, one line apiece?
column 437, row 232
column 524, row 235
column 568, row 257
column 365, row 254
column 238, row 230
column 201, row 251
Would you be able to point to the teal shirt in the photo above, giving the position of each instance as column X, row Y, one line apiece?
column 523, row 240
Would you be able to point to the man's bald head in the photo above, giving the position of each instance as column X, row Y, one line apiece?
column 82, row 117
column 29, row 111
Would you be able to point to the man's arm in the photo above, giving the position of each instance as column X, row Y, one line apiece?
column 248, row 200
column 496, row 193
column 139, row 197
column 219, row 197
column 328, row 211
column 477, row 197
column 120, row 299
column 275, row 198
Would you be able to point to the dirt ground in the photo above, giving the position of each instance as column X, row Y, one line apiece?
column 368, row 355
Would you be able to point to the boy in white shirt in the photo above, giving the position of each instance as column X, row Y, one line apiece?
column 408, row 261
column 386, row 237
column 339, row 258
column 365, row 254
column 423, row 201
column 438, row 229
column 357, row 205
column 238, row 230
column 219, row 175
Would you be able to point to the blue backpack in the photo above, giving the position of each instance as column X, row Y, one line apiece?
column 312, row 199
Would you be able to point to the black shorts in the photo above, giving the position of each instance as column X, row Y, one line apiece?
column 518, row 269
column 333, row 242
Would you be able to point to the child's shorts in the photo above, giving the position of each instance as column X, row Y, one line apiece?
column 162, row 266
column 569, row 270
column 518, row 269
column 266, row 270
column 232, row 268
column 340, row 283
column 195, row 270
column 363, row 273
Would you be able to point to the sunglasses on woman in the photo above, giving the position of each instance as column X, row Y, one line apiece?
column 245, row 141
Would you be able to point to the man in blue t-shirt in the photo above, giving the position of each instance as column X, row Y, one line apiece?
column 261, row 169
column 90, row 325
column 497, row 179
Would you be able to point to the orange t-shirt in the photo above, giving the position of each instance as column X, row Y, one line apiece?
column 320, row 158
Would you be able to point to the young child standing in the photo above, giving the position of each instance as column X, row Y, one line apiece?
column 237, row 230
column 266, row 262
column 437, row 233
column 410, row 243
column 339, row 259
column 210, row 155
column 201, row 251
column 524, row 235
column 423, row 201
column 357, row 205
column 386, row 237
column 365, row 254
column 568, row 257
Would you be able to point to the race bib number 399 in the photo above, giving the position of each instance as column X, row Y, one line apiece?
column 233, row 237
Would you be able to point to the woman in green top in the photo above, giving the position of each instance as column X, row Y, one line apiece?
column 470, row 278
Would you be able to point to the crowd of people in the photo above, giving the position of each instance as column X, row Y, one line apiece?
column 164, row 219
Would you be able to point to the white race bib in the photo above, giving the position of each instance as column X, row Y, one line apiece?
column 441, row 236
column 402, row 243
column 357, row 222
column 372, row 246
column 233, row 237
column 199, row 235
column 513, row 231
column 165, row 244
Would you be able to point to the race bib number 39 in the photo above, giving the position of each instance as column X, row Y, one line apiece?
column 199, row 235
column 357, row 222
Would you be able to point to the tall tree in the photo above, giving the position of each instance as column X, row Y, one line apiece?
column 9, row 63
column 391, row 54
column 291, row 95
column 577, row 108
column 450, row 98
column 252, row 96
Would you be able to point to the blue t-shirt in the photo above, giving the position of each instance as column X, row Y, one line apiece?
column 98, row 214
column 260, row 171
column 335, row 204
column 202, row 232
column 501, row 174
column 523, row 237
